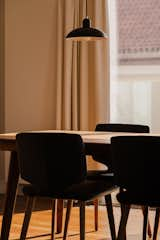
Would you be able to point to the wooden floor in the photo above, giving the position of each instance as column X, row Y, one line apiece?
column 41, row 222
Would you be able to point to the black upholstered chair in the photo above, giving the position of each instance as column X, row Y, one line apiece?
column 54, row 165
column 105, row 158
column 136, row 171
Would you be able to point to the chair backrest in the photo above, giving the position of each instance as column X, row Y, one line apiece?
column 122, row 127
column 136, row 163
column 116, row 127
column 51, row 160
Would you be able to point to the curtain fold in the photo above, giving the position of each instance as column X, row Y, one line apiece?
column 82, row 71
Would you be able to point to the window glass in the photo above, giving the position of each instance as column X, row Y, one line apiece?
column 135, row 58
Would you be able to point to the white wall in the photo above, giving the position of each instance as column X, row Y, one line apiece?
column 2, row 72
column 29, row 64
column 28, row 81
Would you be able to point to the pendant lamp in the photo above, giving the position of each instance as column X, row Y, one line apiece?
column 86, row 32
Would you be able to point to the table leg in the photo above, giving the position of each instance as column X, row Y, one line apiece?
column 10, row 197
column 59, row 215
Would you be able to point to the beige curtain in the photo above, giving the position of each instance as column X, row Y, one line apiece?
column 82, row 72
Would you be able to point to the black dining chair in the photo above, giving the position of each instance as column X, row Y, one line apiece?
column 136, row 171
column 54, row 165
column 105, row 158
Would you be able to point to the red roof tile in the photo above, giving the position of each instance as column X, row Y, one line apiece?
column 139, row 29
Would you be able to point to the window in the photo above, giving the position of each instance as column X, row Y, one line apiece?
column 135, row 59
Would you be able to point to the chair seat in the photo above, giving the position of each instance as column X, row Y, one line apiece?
column 100, row 175
column 83, row 191
column 139, row 199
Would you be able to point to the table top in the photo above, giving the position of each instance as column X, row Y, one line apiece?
column 87, row 136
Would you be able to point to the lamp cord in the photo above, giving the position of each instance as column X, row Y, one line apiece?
column 86, row 8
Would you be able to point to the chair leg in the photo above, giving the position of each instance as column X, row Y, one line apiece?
column 156, row 223
column 59, row 215
column 145, row 222
column 108, row 201
column 122, row 209
column 53, row 218
column 123, row 222
column 27, row 217
column 149, row 226
column 82, row 220
column 96, row 214
column 68, row 214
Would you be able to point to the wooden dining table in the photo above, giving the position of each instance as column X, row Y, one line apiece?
column 94, row 141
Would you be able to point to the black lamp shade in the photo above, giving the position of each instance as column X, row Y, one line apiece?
column 86, row 33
